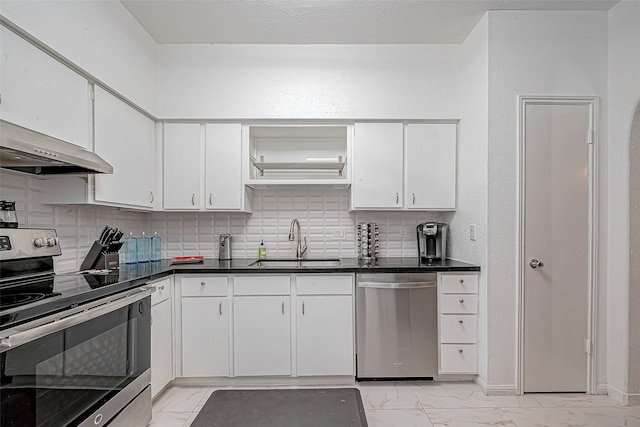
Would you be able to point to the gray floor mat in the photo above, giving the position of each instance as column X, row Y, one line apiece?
column 329, row 407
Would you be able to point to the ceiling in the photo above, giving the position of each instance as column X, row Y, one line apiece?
column 326, row 21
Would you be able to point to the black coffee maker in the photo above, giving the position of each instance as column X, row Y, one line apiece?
column 432, row 241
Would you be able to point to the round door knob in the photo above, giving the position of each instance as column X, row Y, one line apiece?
column 460, row 350
column 461, row 301
column 534, row 263
column 461, row 321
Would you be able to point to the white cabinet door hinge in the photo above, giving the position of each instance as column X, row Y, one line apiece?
column 587, row 346
column 590, row 136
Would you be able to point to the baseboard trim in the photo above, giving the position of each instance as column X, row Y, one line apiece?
column 630, row 399
column 497, row 390
column 602, row 389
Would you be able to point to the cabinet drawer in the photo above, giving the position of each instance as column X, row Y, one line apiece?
column 459, row 304
column 204, row 286
column 324, row 285
column 163, row 291
column 262, row 285
column 458, row 359
column 458, row 328
column 459, row 284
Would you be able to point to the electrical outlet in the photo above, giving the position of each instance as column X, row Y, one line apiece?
column 339, row 233
column 403, row 231
column 472, row 232
column 92, row 234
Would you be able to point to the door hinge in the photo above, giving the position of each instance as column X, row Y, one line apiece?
column 590, row 136
column 587, row 346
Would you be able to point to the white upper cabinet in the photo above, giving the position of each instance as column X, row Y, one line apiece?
column 430, row 166
column 377, row 169
column 181, row 175
column 41, row 94
column 126, row 139
column 404, row 166
column 223, row 172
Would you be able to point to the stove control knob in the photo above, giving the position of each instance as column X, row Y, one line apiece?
column 39, row 242
column 52, row 241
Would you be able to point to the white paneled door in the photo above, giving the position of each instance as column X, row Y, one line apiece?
column 556, row 249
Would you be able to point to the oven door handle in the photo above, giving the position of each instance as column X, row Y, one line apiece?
column 66, row 319
column 397, row 285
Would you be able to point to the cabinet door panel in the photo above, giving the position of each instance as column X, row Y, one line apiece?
column 161, row 346
column 126, row 139
column 181, row 166
column 223, row 172
column 430, row 166
column 262, row 336
column 325, row 335
column 40, row 93
column 205, row 337
column 377, row 166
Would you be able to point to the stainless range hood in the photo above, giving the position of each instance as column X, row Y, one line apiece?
column 27, row 151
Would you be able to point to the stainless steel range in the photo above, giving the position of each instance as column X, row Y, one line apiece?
column 73, row 352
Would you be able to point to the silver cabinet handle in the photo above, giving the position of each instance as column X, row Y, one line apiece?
column 414, row 198
column 534, row 263
column 282, row 307
column 152, row 197
column 460, row 351
column 303, row 308
column 401, row 285
column 461, row 281
column 461, row 321
column 461, row 301
column 203, row 283
column 161, row 287
column 210, row 199
column 220, row 308
column 193, row 199
column 397, row 198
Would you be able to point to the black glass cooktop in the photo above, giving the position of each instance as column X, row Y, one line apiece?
column 25, row 300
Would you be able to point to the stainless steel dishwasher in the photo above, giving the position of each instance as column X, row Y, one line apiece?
column 396, row 325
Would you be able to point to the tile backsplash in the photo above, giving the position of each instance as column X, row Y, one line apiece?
column 322, row 212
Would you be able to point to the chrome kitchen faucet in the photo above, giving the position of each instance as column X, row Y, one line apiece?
column 295, row 232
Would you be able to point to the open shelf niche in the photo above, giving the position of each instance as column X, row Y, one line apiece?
column 298, row 155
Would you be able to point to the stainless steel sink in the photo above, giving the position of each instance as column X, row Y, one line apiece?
column 294, row 263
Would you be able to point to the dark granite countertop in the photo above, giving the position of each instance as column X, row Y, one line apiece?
column 73, row 289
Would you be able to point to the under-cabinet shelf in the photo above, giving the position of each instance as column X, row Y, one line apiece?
column 333, row 165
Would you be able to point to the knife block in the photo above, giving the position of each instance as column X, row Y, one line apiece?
column 100, row 257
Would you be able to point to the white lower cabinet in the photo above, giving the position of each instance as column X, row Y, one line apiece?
column 262, row 335
column 161, row 336
column 325, row 335
column 205, row 327
column 457, row 323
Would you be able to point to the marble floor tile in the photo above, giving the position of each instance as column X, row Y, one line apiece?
column 179, row 399
column 549, row 417
column 204, row 399
column 397, row 417
column 628, row 416
column 452, row 395
column 388, row 396
column 581, row 399
column 476, row 417
column 525, row 401
column 169, row 419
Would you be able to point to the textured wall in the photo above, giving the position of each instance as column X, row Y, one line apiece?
column 624, row 95
column 309, row 81
column 530, row 52
column 634, row 257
